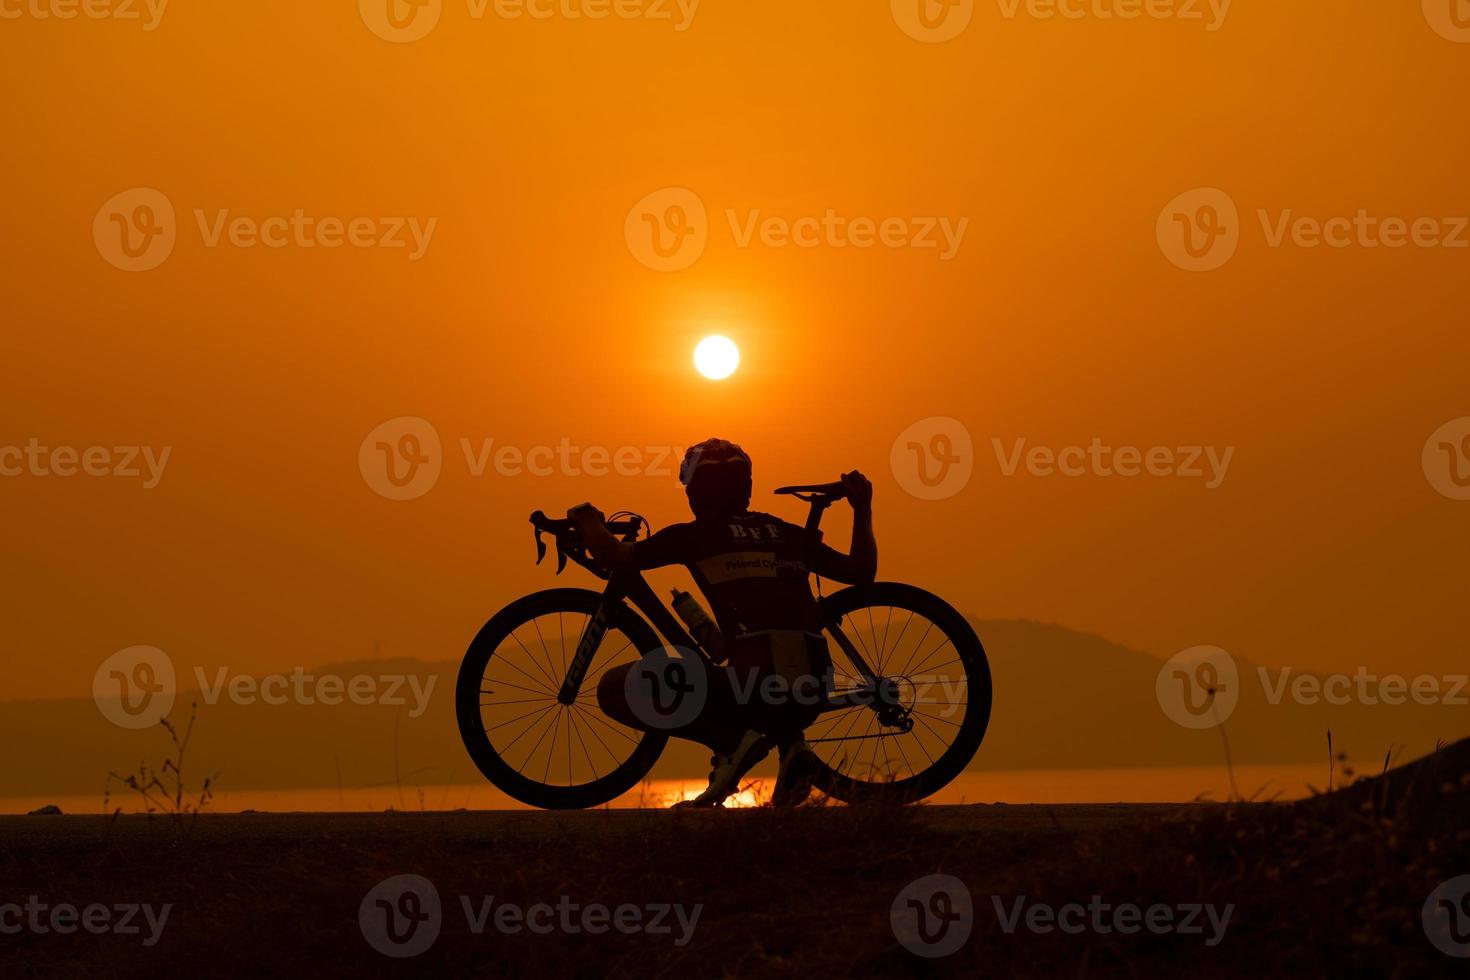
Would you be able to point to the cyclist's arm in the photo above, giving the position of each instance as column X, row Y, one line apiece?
column 610, row 553
column 861, row 566
column 667, row 547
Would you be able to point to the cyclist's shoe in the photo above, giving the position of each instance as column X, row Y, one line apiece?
column 724, row 778
column 799, row 768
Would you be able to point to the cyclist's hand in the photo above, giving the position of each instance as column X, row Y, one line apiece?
column 584, row 514
column 859, row 490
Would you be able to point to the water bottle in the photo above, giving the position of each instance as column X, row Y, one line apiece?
column 701, row 627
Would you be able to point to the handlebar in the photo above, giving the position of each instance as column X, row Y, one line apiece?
column 552, row 525
column 569, row 541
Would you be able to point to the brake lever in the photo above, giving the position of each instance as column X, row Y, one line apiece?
column 540, row 547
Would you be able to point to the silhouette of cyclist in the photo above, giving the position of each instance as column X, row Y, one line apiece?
column 754, row 570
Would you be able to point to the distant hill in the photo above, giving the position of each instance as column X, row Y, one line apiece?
column 1063, row 700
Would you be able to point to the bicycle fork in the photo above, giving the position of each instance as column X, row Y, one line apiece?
column 591, row 639
column 630, row 586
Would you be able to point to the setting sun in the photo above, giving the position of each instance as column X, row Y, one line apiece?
column 716, row 357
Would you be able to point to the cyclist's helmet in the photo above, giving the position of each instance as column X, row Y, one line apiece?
column 716, row 478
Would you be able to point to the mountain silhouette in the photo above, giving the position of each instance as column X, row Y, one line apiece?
column 1063, row 700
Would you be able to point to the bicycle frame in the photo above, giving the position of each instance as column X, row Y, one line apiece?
column 632, row 586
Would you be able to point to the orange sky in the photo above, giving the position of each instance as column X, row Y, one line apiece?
column 528, row 320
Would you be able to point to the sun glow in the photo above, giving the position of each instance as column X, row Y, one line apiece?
column 716, row 357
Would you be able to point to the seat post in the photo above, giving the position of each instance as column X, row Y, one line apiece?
column 814, row 516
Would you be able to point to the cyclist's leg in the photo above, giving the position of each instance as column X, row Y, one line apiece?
column 718, row 727
column 800, row 704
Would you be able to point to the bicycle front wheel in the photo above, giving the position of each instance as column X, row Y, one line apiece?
column 937, row 689
column 525, row 741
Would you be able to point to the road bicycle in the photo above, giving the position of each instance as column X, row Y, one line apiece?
column 905, row 711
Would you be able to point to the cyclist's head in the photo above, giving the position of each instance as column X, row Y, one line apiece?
column 716, row 477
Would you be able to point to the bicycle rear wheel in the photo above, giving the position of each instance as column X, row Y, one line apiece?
column 519, row 735
column 935, row 671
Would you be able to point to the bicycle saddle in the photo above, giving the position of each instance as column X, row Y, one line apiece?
column 836, row 491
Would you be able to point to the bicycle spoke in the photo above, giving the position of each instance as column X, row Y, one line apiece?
column 607, row 724
column 506, row 751
column 517, row 701
column 593, row 732
column 533, row 660
column 898, row 744
column 562, row 633
column 878, row 664
column 886, row 623
column 926, row 714
column 591, row 677
column 898, row 643
column 556, row 729
column 531, row 755
column 920, row 667
column 586, row 751
column 548, row 695
column 512, row 721
column 550, row 667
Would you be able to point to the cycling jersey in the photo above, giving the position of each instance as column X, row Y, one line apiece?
column 752, row 567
